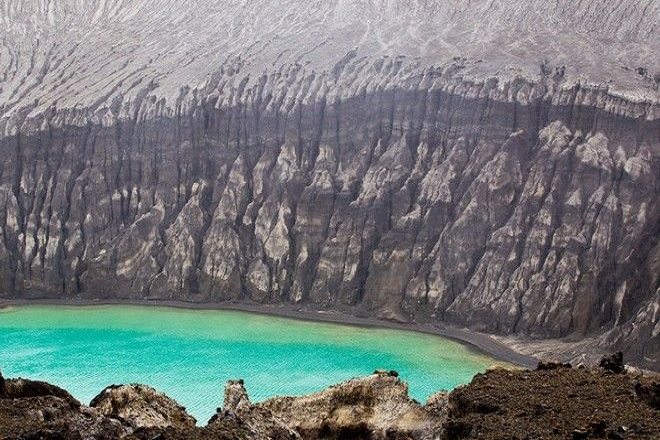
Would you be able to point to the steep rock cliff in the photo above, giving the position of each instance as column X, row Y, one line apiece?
column 473, row 164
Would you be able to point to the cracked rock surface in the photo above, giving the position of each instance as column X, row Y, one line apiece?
column 555, row 401
column 142, row 407
column 492, row 165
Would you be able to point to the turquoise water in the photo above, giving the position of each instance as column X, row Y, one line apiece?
column 189, row 354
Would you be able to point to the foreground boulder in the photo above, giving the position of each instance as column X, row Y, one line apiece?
column 22, row 389
column 38, row 410
column 613, row 363
column 142, row 406
column 372, row 407
column 236, row 396
column 259, row 421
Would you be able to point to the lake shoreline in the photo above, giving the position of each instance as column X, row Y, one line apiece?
column 479, row 341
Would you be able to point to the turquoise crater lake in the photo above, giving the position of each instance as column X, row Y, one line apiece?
column 189, row 354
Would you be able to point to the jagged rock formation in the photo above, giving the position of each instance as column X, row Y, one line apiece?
column 38, row 410
column 493, row 165
column 372, row 407
column 259, row 421
column 236, row 396
column 553, row 402
column 142, row 406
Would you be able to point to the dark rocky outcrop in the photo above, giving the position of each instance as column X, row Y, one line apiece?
column 369, row 408
column 236, row 396
column 552, row 365
column 260, row 422
column 33, row 410
column 613, row 363
column 559, row 403
column 27, row 389
column 649, row 393
column 353, row 155
column 555, row 403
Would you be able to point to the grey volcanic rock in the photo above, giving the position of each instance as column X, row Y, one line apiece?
column 374, row 407
column 260, row 422
column 33, row 409
column 491, row 165
column 141, row 406
column 547, row 403
column 236, row 396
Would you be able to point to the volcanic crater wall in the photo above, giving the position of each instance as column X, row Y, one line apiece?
column 537, row 217
column 287, row 153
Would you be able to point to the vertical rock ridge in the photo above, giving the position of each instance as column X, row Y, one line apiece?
column 406, row 202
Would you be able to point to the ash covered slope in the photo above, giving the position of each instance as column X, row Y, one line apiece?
column 89, row 54
column 490, row 164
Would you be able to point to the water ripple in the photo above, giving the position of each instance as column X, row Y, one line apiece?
column 190, row 354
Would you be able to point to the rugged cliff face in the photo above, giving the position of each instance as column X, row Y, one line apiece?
column 280, row 153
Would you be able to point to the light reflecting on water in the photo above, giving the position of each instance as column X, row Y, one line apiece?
column 189, row 354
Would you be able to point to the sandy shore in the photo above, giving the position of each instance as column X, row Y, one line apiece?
column 479, row 341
